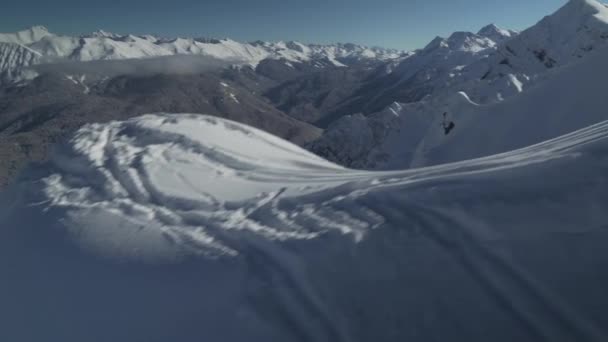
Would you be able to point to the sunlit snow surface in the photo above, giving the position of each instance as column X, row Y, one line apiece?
column 177, row 183
column 188, row 227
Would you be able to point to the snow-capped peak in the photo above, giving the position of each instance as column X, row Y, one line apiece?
column 576, row 15
column 38, row 29
column 104, row 34
column 578, row 27
column 584, row 9
column 460, row 41
column 297, row 46
column 25, row 37
column 496, row 33
column 592, row 3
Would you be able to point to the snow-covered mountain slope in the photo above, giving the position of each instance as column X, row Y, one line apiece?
column 15, row 59
column 496, row 33
column 540, row 102
column 444, row 54
column 455, row 52
column 107, row 46
column 574, row 31
column 410, row 135
column 426, row 71
column 192, row 227
column 569, row 99
column 25, row 37
column 493, row 64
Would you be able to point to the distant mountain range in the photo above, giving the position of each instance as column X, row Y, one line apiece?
column 37, row 45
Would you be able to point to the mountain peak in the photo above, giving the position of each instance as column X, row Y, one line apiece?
column 34, row 33
column 27, row 36
column 573, row 22
column 38, row 28
column 585, row 8
column 436, row 43
column 496, row 33
column 459, row 41
column 490, row 28
column 104, row 34
column 584, row 2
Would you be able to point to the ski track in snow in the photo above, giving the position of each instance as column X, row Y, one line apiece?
column 305, row 249
column 181, row 172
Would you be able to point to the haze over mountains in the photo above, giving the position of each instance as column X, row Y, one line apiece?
column 455, row 193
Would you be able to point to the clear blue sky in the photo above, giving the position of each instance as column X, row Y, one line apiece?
column 405, row 24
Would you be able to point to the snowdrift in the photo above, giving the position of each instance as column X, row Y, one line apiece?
column 187, row 227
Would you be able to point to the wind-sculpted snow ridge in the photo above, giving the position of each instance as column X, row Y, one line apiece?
column 180, row 184
column 188, row 227
column 188, row 179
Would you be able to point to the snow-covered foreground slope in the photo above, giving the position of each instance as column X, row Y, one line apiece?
column 195, row 228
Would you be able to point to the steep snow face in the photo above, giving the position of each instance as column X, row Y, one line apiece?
column 577, row 29
column 496, row 33
column 568, row 99
column 440, row 56
column 102, row 45
column 575, row 36
column 211, row 230
column 495, row 64
column 14, row 59
column 428, row 71
column 412, row 134
column 381, row 141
